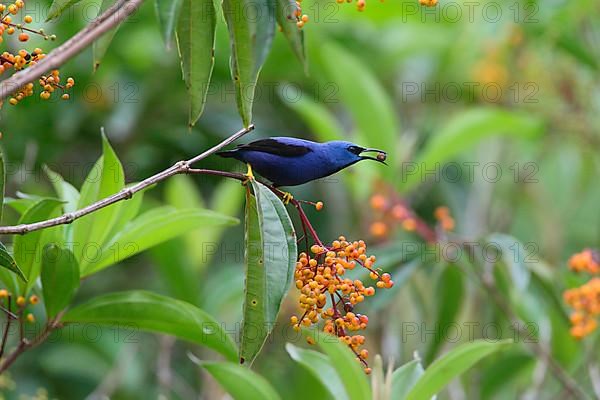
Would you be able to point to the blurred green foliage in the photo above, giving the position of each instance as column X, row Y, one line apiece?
column 421, row 83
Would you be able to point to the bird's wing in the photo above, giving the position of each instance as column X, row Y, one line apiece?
column 273, row 146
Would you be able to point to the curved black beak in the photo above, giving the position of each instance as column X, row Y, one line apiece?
column 380, row 157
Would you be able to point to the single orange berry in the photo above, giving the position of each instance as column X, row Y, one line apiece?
column 34, row 300
column 21, row 301
column 378, row 229
column 28, row 19
column 409, row 224
column 319, row 205
column 30, row 318
column 378, row 202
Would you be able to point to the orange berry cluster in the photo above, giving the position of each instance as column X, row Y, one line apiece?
column 585, row 299
column 23, row 58
column 21, row 303
column 320, row 277
column 586, row 261
column 390, row 212
column 442, row 214
column 300, row 18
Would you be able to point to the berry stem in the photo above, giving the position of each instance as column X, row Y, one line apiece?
column 9, row 318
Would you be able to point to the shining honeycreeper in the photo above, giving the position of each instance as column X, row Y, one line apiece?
column 288, row 161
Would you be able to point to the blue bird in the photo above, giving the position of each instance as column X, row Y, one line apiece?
column 288, row 161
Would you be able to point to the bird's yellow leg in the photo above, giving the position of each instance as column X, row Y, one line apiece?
column 249, row 175
column 287, row 197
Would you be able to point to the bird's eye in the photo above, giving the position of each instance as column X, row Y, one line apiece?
column 355, row 149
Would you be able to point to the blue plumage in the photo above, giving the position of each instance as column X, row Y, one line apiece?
column 287, row 161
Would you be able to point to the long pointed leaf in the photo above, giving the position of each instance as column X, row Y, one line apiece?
column 28, row 248
column 284, row 12
column 91, row 232
column 319, row 365
column 196, row 44
column 451, row 365
column 152, row 312
column 151, row 228
column 348, row 368
column 60, row 278
column 8, row 262
column 168, row 12
column 251, row 26
column 270, row 258
column 240, row 382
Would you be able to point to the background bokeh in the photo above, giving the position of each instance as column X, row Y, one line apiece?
column 512, row 86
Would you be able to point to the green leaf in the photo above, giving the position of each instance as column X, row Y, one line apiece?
column 57, row 8
column 182, row 192
column 348, row 369
column 60, row 278
column 101, row 45
column 196, row 44
column 513, row 255
column 251, row 26
column 449, row 298
column 2, row 183
column 451, row 365
column 155, row 313
column 270, row 259
column 151, row 228
column 370, row 106
column 404, row 378
column 65, row 191
column 91, row 232
column 129, row 210
column 284, row 12
column 464, row 131
column 168, row 12
column 176, row 273
column 319, row 365
column 19, row 205
column 319, row 119
column 240, row 382
column 28, row 248
column 8, row 262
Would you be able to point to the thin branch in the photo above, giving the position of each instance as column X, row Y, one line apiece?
column 6, row 328
column 69, row 49
column 26, row 344
column 178, row 168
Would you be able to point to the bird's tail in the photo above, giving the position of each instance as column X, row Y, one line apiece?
column 226, row 154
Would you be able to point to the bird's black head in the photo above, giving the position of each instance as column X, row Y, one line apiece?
column 359, row 151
